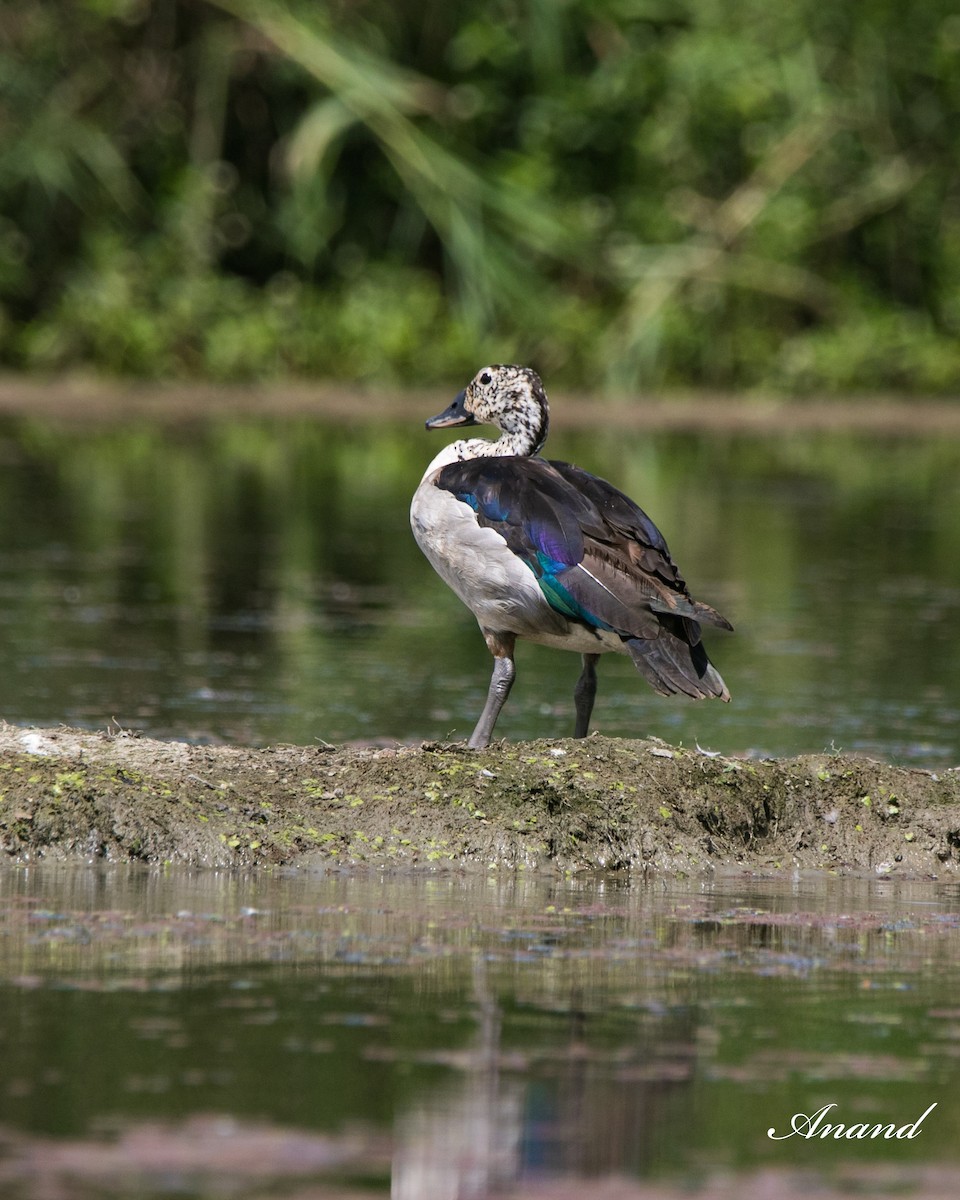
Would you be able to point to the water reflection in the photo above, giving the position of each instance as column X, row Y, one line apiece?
column 584, row 1115
column 256, row 582
column 460, row 1036
column 463, row 1138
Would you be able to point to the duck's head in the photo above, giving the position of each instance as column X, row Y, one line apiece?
column 510, row 397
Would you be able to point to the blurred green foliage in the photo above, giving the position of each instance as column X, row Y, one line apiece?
column 623, row 192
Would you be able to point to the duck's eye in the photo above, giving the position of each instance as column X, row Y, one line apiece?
column 486, row 378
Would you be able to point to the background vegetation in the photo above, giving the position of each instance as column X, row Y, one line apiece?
column 624, row 192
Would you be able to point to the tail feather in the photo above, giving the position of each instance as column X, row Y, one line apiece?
column 673, row 665
column 685, row 606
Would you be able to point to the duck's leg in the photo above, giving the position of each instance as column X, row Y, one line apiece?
column 585, row 693
column 501, row 646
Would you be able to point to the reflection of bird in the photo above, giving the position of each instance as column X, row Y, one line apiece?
column 544, row 551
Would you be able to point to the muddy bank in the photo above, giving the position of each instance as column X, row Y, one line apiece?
column 560, row 805
column 87, row 399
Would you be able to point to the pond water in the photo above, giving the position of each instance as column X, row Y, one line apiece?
column 255, row 581
column 297, row 1034
column 207, row 1034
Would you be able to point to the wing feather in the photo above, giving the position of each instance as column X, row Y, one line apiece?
column 598, row 559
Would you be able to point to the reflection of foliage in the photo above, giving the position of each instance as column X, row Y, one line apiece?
column 685, row 192
column 273, row 563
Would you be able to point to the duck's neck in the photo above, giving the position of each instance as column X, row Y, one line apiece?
column 523, row 437
column 503, row 447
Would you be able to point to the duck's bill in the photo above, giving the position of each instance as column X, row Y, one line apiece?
column 456, row 414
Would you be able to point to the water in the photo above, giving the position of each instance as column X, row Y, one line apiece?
column 256, row 581
column 209, row 1034
column 298, row 1035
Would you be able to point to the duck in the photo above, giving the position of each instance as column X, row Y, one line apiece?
column 543, row 551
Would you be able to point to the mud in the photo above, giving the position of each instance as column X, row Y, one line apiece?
column 558, row 805
column 82, row 400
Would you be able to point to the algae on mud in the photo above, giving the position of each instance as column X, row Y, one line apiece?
column 565, row 805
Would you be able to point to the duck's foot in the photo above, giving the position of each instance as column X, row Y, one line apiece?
column 502, row 647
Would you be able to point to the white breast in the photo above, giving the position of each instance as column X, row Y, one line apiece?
column 492, row 582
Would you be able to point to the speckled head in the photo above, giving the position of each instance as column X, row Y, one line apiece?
column 510, row 397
